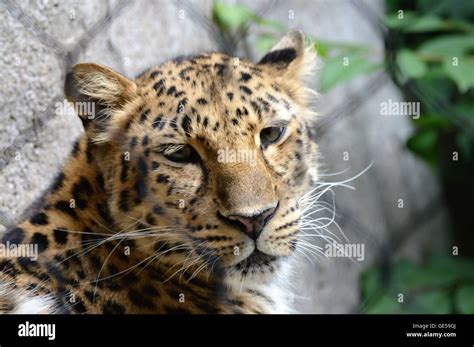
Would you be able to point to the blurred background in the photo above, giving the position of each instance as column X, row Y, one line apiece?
column 411, row 209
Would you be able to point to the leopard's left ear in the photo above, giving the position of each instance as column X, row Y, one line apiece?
column 290, row 58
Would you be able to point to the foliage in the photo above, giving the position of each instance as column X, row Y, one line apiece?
column 236, row 17
column 444, row 284
column 433, row 47
column 435, row 57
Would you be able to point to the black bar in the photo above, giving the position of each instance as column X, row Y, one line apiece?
column 276, row 329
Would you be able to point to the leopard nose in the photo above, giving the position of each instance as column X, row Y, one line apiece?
column 253, row 225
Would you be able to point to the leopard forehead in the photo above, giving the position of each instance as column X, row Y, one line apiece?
column 208, row 97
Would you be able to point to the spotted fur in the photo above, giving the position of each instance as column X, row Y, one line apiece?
column 123, row 229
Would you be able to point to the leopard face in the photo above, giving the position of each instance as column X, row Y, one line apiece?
column 209, row 154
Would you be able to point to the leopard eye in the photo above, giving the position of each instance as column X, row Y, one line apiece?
column 271, row 135
column 185, row 154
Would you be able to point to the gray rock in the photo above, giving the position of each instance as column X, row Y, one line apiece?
column 30, row 78
column 36, row 164
column 143, row 36
column 66, row 21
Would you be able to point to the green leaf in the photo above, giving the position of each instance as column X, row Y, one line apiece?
column 434, row 74
column 464, row 299
column 413, row 23
column 461, row 268
column 385, row 304
column 433, row 121
column 436, row 84
column 322, row 49
column 408, row 277
column 235, row 17
column 231, row 17
column 410, row 65
column 395, row 22
column 424, row 143
column 439, row 272
column 437, row 302
column 425, row 24
column 341, row 48
column 450, row 8
column 270, row 23
column 370, row 283
column 465, row 145
column 448, row 46
column 427, row 288
column 336, row 71
column 462, row 73
column 265, row 42
column 465, row 108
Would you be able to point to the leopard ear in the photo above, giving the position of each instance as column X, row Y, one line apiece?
column 102, row 88
column 289, row 57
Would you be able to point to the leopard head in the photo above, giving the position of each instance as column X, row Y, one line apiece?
column 207, row 156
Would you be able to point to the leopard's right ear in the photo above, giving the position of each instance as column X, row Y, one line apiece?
column 97, row 89
column 291, row 58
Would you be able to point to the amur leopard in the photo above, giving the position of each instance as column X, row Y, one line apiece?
column 182, row 194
